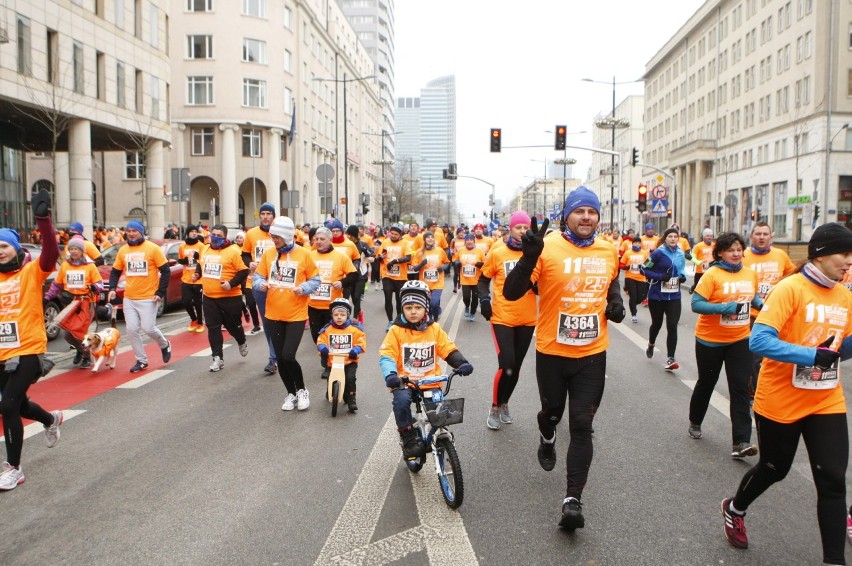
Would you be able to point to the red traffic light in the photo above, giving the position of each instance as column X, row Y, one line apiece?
column 561, row 132
column 643, row 190
column 495, row 140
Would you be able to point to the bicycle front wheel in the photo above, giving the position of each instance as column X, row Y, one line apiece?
column 449, row 473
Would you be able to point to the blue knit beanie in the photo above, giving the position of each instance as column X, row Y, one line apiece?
column 267, row 207
column 334, row 224
column 76, row 227
column 11, row 237
column 136, row 225
column 581, row 196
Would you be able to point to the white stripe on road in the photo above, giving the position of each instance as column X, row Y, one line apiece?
column 145, row 379
column 33, row 429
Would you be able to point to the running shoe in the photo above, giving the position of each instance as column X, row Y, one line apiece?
column 735, row 530
column 849, row 528
column 671, row 364
column 11, row 477
column 326, row 372
column 649, row 351
column 361, row 317
column 271, row 368
column 467, row 312
column 218, row 364
column 78, row 357
column 244, row 349
column 472, row 317
column 505, row 417
column 255, row 330
column 694, row 431
column 743, row 449
column 351, row 404
column 167, row 352
column 192, row 326
column 86, row 363
column 289, row 403
column 412, row 444
column 572, row 514
column 199, row 328
column 547, row 453
column 139, row 366
column 645, row 303
column 493, row 420
column 303, row 401
column 634, row 319
column 51, row 433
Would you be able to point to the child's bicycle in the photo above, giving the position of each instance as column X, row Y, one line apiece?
column 431, row 425
column 336, row 382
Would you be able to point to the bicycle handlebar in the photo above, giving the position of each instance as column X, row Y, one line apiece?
column 430, row 380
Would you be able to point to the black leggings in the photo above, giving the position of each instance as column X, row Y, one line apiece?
column 224, row 311
column 671, row 311
column 190, row 295
column 827, row 441
column 391, row 289
column 637, row 291
column 251, row 305
column 581, row 381
column 470, row 297
column 737, row 360
column 317, row 318
column 286, row 337
column 16, row 405
column 512, row 343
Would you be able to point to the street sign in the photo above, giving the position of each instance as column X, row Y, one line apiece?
column 325, row 173
column 659, row 206
column 659, row 192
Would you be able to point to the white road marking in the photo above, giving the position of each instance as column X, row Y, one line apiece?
column 33, row 429
column 145, row 379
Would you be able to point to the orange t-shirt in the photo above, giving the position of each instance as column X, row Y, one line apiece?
column 348, row 248
column 770, row 267
column 332, row 266
column 341, row 340
column 218, row 266
column 484, row 243
column 572, row 286
column 141, row 269
column 806, row 314
column 188, row 251
column 704, row 253
column 417, row 353
column 632, row 261
column 847, row 279
column 21, row 314
column 257, row 242
column 649, row 242
column 432, row 274
column 523, row 312
column 683, row 244
column 720, row 286
column 283, row 274
column 76, row 278
column 469, row 259
column 395, row 250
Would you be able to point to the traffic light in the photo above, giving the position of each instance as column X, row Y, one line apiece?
column 634, row 160
column 642, row 198
column 669, row 213
column 496, row 139
column 364, row 209
column 816, row 212
column 561, row 131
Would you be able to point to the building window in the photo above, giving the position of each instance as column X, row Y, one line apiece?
column 256, row 8
column 254, row 93
column 808, row 47
column 134, row 165
column 25, row 61
column 140, row 92
column 288, row 61
column 52, row 56
column 120, row 85
column 282, row 147
column 155, row 98
column 779, row 198
column 202, row 141
column 254, row 51
column 199, row 47
column 78, row 67
column 199, row 91
column 119, row 14
column 100, row 75
column 288, row 18
column 199, row 5
column 252, row 143
column 155, row 26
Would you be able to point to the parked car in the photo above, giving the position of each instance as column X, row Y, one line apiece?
column 170, row 249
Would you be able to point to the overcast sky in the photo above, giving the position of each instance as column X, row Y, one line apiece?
column 518, row 66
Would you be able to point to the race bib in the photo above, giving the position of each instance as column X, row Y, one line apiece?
column 577, row 330
column 468, row 270
column 412, row 268
column 212, row 271
column 393, row 269
column 634, row 268
column 670, row 286
column 763, row 289
column 811, row 377
column 339, row 343
column 260, row 248
column 508, row 266
column 739, row 318
column 190, row 260
column 283, row 275
column 323, row 292
column 430, row 275
column 9, row 336
column 137, row 268
column 75, row 280
column 418, row 359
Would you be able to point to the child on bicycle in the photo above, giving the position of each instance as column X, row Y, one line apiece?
column 412, row 348
column 343, row 336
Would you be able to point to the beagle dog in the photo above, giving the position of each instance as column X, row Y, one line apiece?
column 103, row 345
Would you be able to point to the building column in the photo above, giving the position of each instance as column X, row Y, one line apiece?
column 61, row 189
column 179, row 142
column 679, row 193
column 155, row 199
column 80, row 167
column 228, row 197
column 695, row 216
column 273, row 175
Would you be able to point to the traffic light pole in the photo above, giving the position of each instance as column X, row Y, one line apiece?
column 674, row 187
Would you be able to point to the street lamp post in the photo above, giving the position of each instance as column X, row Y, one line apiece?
column 345, row 80
column 383, row 162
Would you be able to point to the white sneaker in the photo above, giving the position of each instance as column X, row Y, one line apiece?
column 11, row 477
column 51, row 433
column 244, row 349
column 218, row 364
column 303, row 402
column 289, row 403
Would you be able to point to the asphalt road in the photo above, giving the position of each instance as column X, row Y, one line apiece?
column 188, row 467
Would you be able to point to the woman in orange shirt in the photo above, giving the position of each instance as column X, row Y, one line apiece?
column 722, row 300
column 802, row 332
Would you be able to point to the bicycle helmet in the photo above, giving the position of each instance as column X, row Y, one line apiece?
column 341, row 303
column 415, row 292
column 398, row 227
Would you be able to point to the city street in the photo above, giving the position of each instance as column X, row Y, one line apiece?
column 179, row 465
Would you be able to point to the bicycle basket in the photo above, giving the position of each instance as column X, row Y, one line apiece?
column 446, row 412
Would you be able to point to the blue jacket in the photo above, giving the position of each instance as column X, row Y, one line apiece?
column 663, row 265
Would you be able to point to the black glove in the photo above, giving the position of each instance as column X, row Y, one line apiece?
column 353, row 355
column 682, row 278
column 485, row 309
column 464, row 369
column 533, row 240
column 391, row 263
column 825, row 356
column 41, row 204
column 688, row 256
column 615, row 311
column 392, row 381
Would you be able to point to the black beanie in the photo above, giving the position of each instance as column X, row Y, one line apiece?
column 671, row 231
column 191, row 227
column 828, row 239
column 352, row 230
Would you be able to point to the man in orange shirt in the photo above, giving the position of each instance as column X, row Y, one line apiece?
column 256, row 242
column 702, row 252
column 396, row 255
column 634, row 281
column 471, row 259
column 222, row 272
column 190, row 289
column 578, row 291
column 147, row 277
column 650, row 239
column 336, row 271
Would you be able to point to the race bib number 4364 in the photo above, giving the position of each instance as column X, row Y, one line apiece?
column 578, row 330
